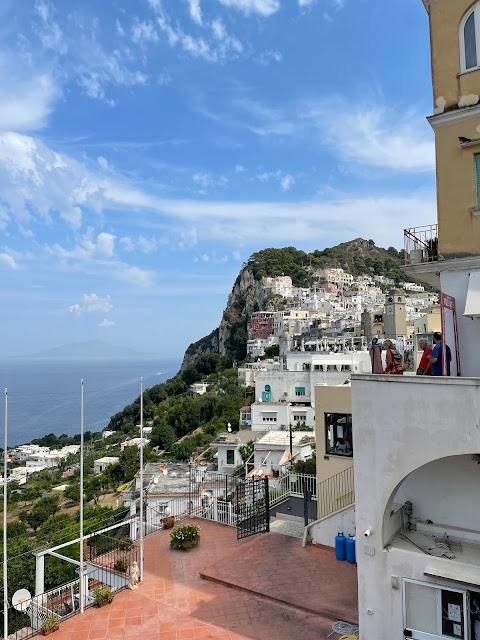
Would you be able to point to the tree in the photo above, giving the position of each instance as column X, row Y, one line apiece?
column 40, row 512
column 272, row 351
column 163, row 435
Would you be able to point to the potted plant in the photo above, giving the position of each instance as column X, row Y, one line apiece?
column 103, row 596
column 125, row 543
column 185, row 537
column 121, row 564
column 168, row 523
column 50, row 625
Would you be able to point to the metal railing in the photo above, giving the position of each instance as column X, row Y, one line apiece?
column 293, row 484
column 421, row 244
column 335, row 493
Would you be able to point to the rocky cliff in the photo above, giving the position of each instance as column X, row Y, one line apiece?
column 250, row 293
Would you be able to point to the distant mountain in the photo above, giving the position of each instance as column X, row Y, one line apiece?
column 91, row 350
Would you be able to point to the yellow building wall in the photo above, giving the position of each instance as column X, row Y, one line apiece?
column 330, row 399
column 429, row 323
column 458, row 228
column 448, row 82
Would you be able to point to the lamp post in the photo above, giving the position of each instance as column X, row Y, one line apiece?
column 141, row 479
column 82, row 583
column 5, row 572
column 291, row 442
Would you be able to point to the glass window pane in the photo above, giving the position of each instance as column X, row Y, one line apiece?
column 421, row 607
column 470, row 42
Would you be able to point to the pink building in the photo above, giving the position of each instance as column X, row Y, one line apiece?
column 261, row 324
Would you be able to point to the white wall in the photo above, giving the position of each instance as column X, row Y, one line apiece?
column 455, row 283
column 402, row 423
column 223, row 467
column 325, row 530
column 431, row 488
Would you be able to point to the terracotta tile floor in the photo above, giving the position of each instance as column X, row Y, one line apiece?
column 174, row 603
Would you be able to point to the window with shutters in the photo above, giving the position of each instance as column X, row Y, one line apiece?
column 470, row 39
column 477, row 176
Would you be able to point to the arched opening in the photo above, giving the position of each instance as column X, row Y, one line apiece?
column 443, row 495
column 267, row 394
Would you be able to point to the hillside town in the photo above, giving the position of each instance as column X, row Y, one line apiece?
column 325, row 486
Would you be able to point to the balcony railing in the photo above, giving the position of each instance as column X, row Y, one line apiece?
column 421, row 244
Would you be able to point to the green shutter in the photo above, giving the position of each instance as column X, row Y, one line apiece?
column 477, row 167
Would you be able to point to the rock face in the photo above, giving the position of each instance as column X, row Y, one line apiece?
column 248, row 295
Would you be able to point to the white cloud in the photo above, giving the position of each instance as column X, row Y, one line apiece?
column 146, row 245
column 106, row 324
column 373, row 136
column 144, row 32
column 92, row 303
column 269, row 56
column 195, row 11
column 207, row 180
column 127, row 244
column 305, row 3
column 49, row 32
column 7, row 260
column 263, row 8
column 286, row 182
column 239, row 168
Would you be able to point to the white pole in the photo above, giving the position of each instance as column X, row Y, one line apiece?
column 5, row 572
column 82, row 585
column 141, row 479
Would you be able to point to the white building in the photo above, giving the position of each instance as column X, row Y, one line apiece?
column 198, row 388
column 229, row 444
column 101, row 464
column 272, row 454
column 106, row 434
column 246, row 374
column 256, row 346
column 134, row 442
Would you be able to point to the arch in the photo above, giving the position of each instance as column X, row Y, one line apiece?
column 469, row 39
column 399, row 299
column 267, row 387
column 432, row 489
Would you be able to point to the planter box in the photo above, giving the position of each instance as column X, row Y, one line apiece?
column 47, row 632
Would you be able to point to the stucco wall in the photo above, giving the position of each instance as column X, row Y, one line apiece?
column 459, row 230
column 330, row 400
column 455, row 283
column 445, row 18
column 401, row 424
column 324, row 531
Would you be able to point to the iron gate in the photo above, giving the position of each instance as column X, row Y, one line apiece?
column 252, row 507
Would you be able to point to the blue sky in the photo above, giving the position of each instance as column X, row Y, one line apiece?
column 148, row 148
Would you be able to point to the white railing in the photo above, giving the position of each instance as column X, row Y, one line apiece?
column 293, row 484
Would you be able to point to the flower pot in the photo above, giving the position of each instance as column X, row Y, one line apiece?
column 47, row 632
column 104, row 603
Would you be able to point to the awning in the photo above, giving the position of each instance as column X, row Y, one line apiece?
column 286, row 458
column 269, row 411
column 455, row 571
column 472, row 305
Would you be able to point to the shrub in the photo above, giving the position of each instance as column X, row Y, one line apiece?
column 125, row 543
column 168, row 523
column 121, row 564
column 50, row 623
column 102, row 595
column 185, row 537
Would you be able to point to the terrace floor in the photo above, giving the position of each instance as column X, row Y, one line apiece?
column 175, row 603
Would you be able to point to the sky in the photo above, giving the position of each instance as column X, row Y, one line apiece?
column 148, row 148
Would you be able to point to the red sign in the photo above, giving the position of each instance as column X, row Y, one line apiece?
column 447, row 302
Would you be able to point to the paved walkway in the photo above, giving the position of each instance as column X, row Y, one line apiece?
column 287, row 527
column 309, row 579
column 174, row 603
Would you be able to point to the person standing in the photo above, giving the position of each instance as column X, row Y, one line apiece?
column 436, row 362
column 376, row 356
column 394, row 359
column 424, row 367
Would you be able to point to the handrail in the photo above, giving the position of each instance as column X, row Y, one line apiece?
column 336, row 492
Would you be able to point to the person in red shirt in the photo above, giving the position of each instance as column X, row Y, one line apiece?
column 424, row 368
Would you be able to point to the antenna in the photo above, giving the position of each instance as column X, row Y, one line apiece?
column 21, row 599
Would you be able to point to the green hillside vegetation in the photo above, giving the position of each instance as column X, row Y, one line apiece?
column 357, row 257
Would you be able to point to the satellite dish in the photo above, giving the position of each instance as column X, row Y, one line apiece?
column 21, row 599
column 165, row 472
column 155, row 480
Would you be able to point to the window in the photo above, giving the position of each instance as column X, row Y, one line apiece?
column 267, row 394
column 269, row 418
column 299, row 391
column 431, row 611
column 338, row 434
column 469, row 39
column 230, row 456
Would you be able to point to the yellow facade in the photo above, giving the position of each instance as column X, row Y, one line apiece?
column 430, row 322
column 329, row 399
column 456, row 114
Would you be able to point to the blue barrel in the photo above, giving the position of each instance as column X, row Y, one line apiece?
column 350, row 549
column 340, row 546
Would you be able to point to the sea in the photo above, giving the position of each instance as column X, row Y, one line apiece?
column 44, row 396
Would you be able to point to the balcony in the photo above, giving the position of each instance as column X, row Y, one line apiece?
column 421, row 245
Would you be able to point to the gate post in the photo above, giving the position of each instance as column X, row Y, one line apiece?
column 267, row 505
column 307, row 496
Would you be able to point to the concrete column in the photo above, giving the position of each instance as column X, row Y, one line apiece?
column 39, row 574
column 133, row 521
